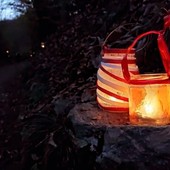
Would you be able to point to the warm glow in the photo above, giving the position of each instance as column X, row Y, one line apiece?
column 114, row 99
column 110, row 100
column 149, row 104
column 149, row 109
column 42, row 45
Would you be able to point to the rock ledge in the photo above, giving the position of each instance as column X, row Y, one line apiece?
column 119, row 144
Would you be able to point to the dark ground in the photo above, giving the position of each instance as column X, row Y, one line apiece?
column 34, row 134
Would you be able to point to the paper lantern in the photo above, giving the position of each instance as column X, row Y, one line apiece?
column 149, row 102
column 112, row 89
column 114, row 81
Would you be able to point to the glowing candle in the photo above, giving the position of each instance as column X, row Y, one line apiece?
column 149, row 103
column 150, row 106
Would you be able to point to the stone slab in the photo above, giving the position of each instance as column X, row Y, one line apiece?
column 117, row 142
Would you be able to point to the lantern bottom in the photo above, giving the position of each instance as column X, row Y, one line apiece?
column 113, row 109
column 148, row 121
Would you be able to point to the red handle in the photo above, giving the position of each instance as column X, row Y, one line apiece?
column 166, row 21
column 164, row 53
column 124, row 63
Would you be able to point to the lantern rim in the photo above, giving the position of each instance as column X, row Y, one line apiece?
column 146, row 79
column 148, row 76
column 118, row 50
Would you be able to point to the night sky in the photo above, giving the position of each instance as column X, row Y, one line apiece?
column 8, row 9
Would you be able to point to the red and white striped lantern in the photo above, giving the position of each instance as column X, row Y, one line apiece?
column 112, row 88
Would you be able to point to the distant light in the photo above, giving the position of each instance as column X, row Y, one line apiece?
column 75, row 12
column 42, row 45
column 7, row 51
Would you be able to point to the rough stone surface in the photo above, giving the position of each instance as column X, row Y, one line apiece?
column 118, row 144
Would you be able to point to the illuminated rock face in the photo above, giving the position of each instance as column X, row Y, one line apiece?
column 116, row 142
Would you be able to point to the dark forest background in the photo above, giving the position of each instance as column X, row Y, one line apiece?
column 49, row 58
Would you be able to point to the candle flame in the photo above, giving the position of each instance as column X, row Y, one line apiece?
column 148, row 108
column 151, row 106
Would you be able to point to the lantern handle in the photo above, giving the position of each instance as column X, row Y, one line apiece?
column 165, row 54
column 124, row 62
